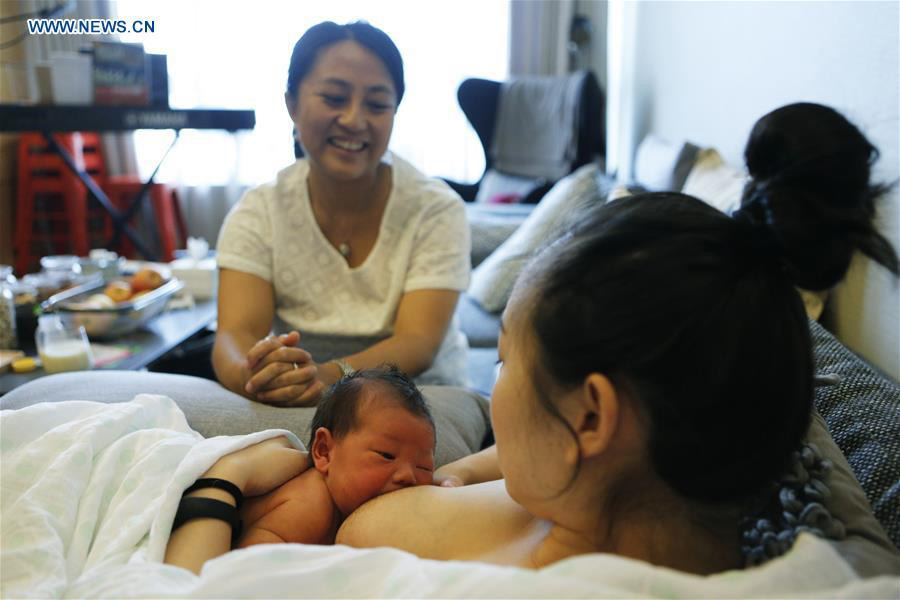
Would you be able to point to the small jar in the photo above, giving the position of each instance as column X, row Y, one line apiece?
column 8, row 339
column 64, row 264
column 62, row 347
column 101, row 261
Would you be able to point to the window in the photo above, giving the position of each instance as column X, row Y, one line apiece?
column 236, row 55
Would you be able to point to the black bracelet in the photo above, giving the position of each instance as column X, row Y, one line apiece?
column 219, row 484
column 208, row 508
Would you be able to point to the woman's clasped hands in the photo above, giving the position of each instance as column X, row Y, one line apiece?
column 280, row 373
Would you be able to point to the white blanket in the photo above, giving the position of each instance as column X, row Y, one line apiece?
column 89, row 491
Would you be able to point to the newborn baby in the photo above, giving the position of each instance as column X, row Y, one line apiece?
column 371, row 434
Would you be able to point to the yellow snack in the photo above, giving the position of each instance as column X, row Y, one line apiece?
column 118, row 291
column 101, row 301
column 24, row 365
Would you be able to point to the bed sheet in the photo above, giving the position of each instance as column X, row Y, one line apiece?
column 89, row 491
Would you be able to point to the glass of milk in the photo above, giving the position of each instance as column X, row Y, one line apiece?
column 62, row 348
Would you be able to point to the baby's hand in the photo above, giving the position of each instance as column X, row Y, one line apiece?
column 448, row 481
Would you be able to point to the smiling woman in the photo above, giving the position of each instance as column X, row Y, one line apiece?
column 354, row 89
column 350, row 245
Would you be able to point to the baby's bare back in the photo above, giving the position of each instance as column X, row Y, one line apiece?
column 298, row 511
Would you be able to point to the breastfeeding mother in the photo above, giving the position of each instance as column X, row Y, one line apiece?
column 657, row 374
column 352, row 256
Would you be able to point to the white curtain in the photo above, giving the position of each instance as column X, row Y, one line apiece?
column 539, row 36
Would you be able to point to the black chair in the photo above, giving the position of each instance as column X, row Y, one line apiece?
column 480, row 99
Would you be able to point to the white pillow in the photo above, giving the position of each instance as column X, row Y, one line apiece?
column 715, row 182
column 661, row 165
column 493, row 279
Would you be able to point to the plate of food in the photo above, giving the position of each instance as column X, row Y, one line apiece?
column 110, row 309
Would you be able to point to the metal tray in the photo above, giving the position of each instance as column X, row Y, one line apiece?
column 106, row 323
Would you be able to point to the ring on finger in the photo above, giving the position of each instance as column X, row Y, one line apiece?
column 295, row 365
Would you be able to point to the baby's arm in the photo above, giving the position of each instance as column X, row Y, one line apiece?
column 474, row 468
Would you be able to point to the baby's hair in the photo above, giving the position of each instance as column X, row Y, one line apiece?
column 339, row 407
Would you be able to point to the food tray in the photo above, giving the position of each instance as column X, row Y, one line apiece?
column 106, row 323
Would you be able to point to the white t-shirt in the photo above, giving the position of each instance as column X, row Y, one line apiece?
column 423, row 243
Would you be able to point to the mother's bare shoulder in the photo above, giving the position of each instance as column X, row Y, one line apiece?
column 436, row 522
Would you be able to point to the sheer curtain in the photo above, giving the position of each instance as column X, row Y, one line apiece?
column 539, row 36
column 236, row 55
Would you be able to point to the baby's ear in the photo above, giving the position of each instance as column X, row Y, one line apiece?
column 322, row 448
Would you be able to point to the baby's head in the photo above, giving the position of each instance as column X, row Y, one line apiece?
column 372, row 434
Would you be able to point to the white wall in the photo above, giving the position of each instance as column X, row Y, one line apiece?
column 705, row 71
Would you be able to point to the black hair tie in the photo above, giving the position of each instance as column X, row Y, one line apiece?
column 756, row 239
column 219, row 484
column 209, row 508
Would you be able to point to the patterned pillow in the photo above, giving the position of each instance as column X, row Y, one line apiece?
column 493, row 279
column 863, row 415
column 715, row 182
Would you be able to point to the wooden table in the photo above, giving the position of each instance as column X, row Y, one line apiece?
column 159, row 336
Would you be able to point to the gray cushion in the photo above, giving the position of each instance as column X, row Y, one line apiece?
column 491, row 224
column 461, row 416
column 481, row 327
column 818, row 494
column 866, row 546
column 863, row 416
column 482, row 369
column 492, row 281
column 487, row 233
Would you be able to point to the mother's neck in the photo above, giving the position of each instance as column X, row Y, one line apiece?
column 659, row 527
column 348, row 196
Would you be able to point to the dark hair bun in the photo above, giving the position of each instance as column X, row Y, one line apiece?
column 810, row 170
